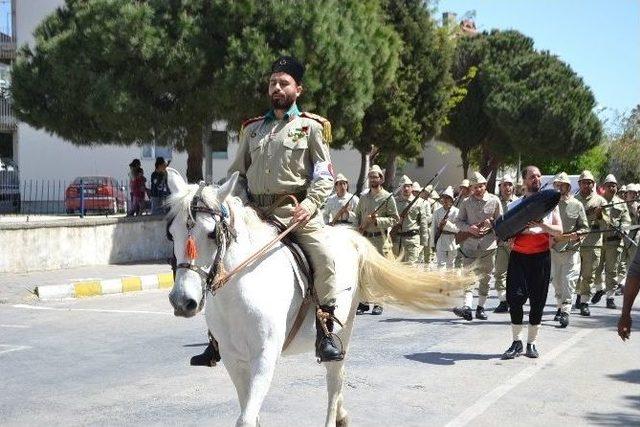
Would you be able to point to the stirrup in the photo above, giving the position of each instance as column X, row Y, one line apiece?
column 338, row 344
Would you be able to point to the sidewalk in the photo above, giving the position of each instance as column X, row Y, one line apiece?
column 19, row 287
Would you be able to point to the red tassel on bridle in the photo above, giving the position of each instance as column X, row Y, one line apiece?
column 191, row 251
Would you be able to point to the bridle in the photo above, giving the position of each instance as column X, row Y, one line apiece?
column 223, row 233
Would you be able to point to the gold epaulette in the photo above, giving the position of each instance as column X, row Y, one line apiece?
column 326, row 125
column 249, row 121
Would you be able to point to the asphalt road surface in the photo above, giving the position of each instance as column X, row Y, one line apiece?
column 123, row 360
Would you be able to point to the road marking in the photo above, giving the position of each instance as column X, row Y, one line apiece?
column 94, row 310
column 493, row 396
column 13, row 348
column 14, row 326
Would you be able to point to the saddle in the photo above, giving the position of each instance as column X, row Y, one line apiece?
column 300, row 258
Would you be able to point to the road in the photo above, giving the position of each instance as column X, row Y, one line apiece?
column 123, row 360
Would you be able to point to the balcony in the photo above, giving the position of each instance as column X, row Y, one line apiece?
column 8, row 121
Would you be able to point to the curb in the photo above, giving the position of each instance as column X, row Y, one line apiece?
column 105, row 287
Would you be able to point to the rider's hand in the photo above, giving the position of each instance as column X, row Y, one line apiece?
column 300, row 214
column 624, row 327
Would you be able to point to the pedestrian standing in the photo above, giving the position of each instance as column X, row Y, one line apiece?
column 529, row 269
column 138, row 186
column 159, row 190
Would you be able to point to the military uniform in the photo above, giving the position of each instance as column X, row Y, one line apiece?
column 335, row 203
column 565, row 259
column 502, row 256
column 629, row 250
column 386, row 217
column 446, row 246
column 591, row 245
column 478, row 251
column 291, row 156
column 413, row 232
column 612, row 243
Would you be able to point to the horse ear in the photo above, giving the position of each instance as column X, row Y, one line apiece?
column 227, row 188
column 176, row 182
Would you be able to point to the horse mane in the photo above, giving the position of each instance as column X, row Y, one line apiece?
column 181, row 202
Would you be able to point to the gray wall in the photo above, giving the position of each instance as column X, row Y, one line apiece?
column 75, row 242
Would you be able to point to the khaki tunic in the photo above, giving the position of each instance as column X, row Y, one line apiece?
column 565, row 260
column 612, row 243
column 446, row 246
column 335, row 203
column 386, row 217
column 481, row 251
column 291, row 156
column 415, row 221
column 590, row 247
column 502, row 258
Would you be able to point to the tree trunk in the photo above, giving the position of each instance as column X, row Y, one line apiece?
column 390, row 172
column 195, row 151
column 364, row 171
column 464, row 155
column 489, row 169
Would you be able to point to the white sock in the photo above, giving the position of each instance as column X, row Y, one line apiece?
column 482, row 300
column 532, row 334
column 516, row 330
column 468, row 299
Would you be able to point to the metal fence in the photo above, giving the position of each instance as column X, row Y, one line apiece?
column 86, row 196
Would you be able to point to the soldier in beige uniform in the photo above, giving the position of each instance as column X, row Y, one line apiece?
column 431, row 198
column 476, row 217
column 616, row 216
column 565, row 259
column 287, row 152
column 444, row 230
column 463, row 193
column 341, row 203
column 591, row 246
column 629, row 249
column 502, row 252
column 411, row 233
column 375, row 227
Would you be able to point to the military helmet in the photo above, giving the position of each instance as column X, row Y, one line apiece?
column 477, row 178
column 586, row 176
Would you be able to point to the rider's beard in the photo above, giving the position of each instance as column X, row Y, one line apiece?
column 283, row 103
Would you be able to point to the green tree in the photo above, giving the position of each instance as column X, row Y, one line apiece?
column 521, row 102
column 624, row 152
column 122, row 72
column 414, row 106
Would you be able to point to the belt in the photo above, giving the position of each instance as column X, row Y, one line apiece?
column 613, row 239
column 409, row 233
column 595, row 227
column 267, row 200
column 343, row 221
column 374, row 234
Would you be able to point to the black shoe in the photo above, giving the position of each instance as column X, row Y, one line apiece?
column 464, row 312
column 209, row 357
column 531, row 351
column 584, row 309
column 611, row 304
column 564, row 320
column 480, row 314
column 514, row 351
column 362, row 307
column 557, row 316
column 326, row 348
column 578, row 302
column 503, row 307
column 597, row 297
column 377, row 310
column 619, row 290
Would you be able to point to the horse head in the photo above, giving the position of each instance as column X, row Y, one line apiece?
column 200, row 227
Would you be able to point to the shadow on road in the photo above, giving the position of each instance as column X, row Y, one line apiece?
column 620, row 418
column 204, row 344
column 453, row 321
column 439, row 358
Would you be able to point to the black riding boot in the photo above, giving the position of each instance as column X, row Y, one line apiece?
column 326, row 348
column 210, row 356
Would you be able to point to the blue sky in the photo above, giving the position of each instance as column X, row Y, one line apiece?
column 599, row 39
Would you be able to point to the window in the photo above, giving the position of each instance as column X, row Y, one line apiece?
column 218, row 144
column 150, row 152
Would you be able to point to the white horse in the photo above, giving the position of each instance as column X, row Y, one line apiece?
column 252, row 314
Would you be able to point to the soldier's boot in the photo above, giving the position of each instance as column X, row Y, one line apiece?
column 531, row 351
column 209, row 357
column 503, row 307
column 464, row 312
column 480, row 314
column 326, row 348
column 564, row 320
column 578, row 302
column 619, row 290
column 557, row 316
column 584, row 309
column 377, row 310
column 362, row 308
column 611, row 304
column 597, row 297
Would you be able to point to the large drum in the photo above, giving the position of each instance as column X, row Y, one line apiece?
column 532, row 208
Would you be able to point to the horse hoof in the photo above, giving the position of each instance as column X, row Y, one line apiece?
column 343, row 422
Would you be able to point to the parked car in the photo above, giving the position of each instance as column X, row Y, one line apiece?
column 101, row 194
column 9, row 186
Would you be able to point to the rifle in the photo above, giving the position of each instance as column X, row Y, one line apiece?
column 365, row 224
column 565, row 236
column 342, row 210
column 443, row 222
column 619, row 203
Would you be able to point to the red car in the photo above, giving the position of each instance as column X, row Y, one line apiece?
column 101, row 194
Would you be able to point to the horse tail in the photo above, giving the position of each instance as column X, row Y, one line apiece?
column 391, row 282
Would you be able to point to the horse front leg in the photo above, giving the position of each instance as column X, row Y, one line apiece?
column 261, row 374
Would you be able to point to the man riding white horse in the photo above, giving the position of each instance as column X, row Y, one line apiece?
column 286, row 152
